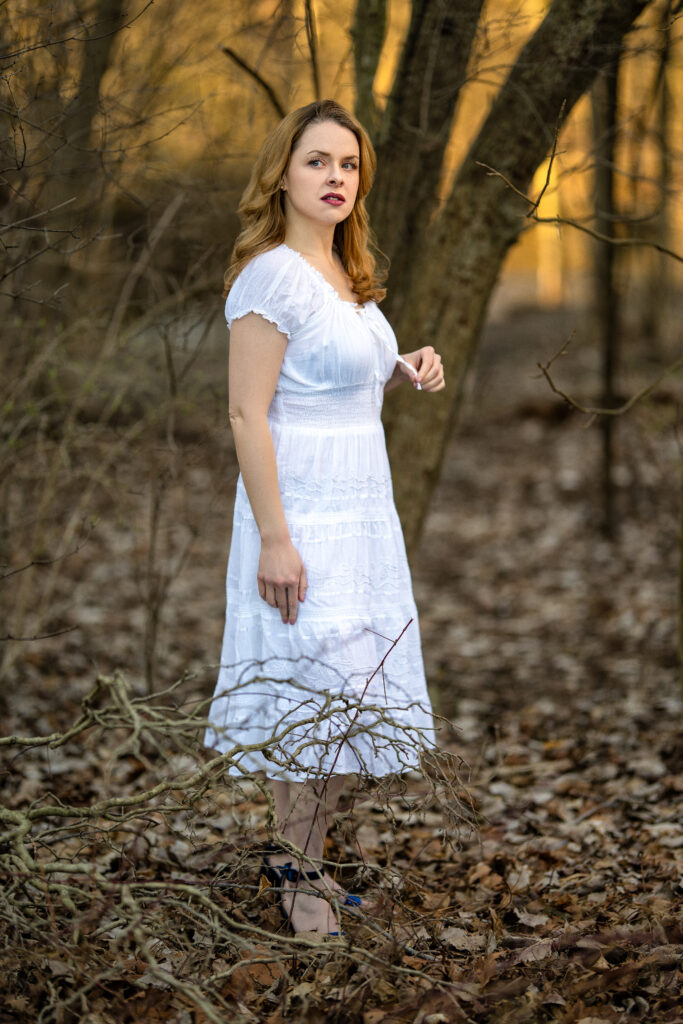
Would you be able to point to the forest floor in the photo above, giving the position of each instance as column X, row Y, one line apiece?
column 551, row 655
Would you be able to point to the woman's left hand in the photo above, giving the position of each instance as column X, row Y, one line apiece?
column 427, row 363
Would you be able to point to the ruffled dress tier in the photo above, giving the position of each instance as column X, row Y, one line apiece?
column 333, row 693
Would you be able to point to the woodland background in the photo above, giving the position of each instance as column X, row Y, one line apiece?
column 529, row 200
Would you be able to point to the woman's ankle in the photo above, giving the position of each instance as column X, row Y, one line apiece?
column 307, row 911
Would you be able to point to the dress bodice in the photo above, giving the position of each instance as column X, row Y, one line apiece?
column 332, row 344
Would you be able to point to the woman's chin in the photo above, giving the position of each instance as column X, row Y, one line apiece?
column 328, row 215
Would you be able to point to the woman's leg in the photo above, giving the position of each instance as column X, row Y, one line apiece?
column 304, row 813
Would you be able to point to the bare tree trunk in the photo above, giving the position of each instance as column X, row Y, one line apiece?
column 449, row 276
column 680, row 573
column 604, row 102
column 75, row 173
column 416, row 128
column 367, row 34
column 655, row 308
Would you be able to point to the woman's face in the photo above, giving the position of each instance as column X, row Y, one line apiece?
column 321, row 179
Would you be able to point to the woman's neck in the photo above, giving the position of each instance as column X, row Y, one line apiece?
column 316, row 244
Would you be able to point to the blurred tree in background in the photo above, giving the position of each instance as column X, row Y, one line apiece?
column 483, row 213
column 128, row 134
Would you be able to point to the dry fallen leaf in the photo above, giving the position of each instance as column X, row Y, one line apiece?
column 458, row 938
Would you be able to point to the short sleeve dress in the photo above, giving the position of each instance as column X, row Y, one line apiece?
column 334, row 693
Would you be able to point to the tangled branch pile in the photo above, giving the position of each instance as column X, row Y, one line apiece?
column 132, row 892
column 132, row 883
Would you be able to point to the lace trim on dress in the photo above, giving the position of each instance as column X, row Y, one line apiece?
column 269, row 316
column 321, row 531
column 304, row 729
column 348, row 579
column 321, row 277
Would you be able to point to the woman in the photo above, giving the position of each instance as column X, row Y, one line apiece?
column 321, row 670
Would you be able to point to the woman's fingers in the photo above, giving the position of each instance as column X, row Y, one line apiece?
column 423, row 368
column 285, row 599
column 431, row 374
column 429, row 365
column 275, row 596
column 303, row 584
column 408, row 368
column 281, row 578
column 286, row 603
column 434, row 380
column 428, row 371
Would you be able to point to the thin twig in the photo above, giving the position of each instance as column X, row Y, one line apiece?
column 551, row 161
column 42, row 562
column 597, row 410
column 532, row 215
column 37, row 636
column 257, row 76
column 47, row 44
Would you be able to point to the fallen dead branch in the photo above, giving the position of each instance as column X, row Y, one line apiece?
column 143, row 884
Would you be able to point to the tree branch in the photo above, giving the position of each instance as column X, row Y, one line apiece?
column 312, row 38
column 46, row 44
column 597, row 410
column 533, row 215
column 258, row 78
column 38, row 636
column 551, row 161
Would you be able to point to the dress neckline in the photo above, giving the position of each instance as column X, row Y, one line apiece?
column 357, row 306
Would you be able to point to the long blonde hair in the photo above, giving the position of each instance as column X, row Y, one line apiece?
column 262, row 205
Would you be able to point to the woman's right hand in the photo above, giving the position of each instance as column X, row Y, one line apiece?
column 281, row 578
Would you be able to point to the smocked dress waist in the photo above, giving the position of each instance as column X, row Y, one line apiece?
column 353, row 407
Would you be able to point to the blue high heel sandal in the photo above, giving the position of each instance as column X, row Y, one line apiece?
column 345, row 899
column 277, row 874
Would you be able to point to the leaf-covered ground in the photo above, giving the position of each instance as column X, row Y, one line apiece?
column 131, row 889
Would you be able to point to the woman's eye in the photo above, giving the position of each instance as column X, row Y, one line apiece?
column 348, row 165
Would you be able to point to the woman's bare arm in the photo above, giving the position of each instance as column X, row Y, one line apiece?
column 257, row 349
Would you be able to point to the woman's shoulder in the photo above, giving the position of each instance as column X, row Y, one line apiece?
column 271, row 269
column 268, row 263
column 273, row 283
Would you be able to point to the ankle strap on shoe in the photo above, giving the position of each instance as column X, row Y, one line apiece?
column 286, row 871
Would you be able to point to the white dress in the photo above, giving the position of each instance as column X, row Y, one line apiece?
column 331, row 693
